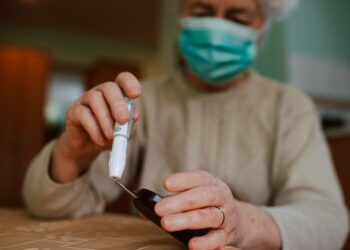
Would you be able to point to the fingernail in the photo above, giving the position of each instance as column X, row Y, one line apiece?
column 134, row 91
column 122, row 115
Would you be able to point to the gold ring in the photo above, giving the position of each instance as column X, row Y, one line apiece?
column 223, row 216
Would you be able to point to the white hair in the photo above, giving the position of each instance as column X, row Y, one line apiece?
column 276, row 10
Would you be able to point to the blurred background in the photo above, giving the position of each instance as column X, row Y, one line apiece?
column 52, row 51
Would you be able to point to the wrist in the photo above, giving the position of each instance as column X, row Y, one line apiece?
column 259, row 230
column 66, row 165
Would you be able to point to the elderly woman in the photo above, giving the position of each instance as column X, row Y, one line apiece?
column 241, row 154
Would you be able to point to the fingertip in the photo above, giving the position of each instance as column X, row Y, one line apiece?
column 192, row 244
column 171, row 183
column 163, row 223
column 122, row 120
column 134, row 92
column 168, row 224
column 122, row 117
column 137, row 115
column 166, row 184
column 130, row 84
column 159, row 209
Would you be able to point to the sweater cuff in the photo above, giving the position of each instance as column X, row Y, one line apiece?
column 313, row 226
column 279, row 215
column 49, row 182
column 46, row 198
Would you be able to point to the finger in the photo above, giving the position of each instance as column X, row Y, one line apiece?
column 115, row 101
column 142, row 216
column 137, row 115
column 206, row 196
column 210, row 217
column 215, row 239
column 187, row 180
column 85, row 118
column 95, row 100
column 108, row 145
column 129, row 84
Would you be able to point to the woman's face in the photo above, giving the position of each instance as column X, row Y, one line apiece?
column 245, row 12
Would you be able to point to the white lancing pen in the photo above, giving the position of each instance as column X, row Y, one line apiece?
column 122, row 133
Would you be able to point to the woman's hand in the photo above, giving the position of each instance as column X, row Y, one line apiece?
column 204, row 201
column 90, row 126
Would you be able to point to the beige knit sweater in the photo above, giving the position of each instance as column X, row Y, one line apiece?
column 263, row 139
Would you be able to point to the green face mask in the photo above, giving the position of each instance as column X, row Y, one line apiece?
column 216, row 50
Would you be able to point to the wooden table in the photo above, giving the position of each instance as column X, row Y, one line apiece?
column 18, row 230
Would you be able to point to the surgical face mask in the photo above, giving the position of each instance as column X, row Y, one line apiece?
column 216, row 50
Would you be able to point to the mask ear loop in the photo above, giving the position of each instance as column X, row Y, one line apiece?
column 266, row 27
column 264, row 35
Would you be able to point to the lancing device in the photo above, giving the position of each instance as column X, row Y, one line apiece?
column 144, row 200
column 121, row 136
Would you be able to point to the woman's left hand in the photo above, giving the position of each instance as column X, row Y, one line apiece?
column 201, row 201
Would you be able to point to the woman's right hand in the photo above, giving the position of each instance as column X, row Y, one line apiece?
column 90, row 126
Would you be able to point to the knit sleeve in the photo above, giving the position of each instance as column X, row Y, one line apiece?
column 307, row 205
column 86, row 195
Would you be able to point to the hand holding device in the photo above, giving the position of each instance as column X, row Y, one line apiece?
column 89, row 126
column 145, row 200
